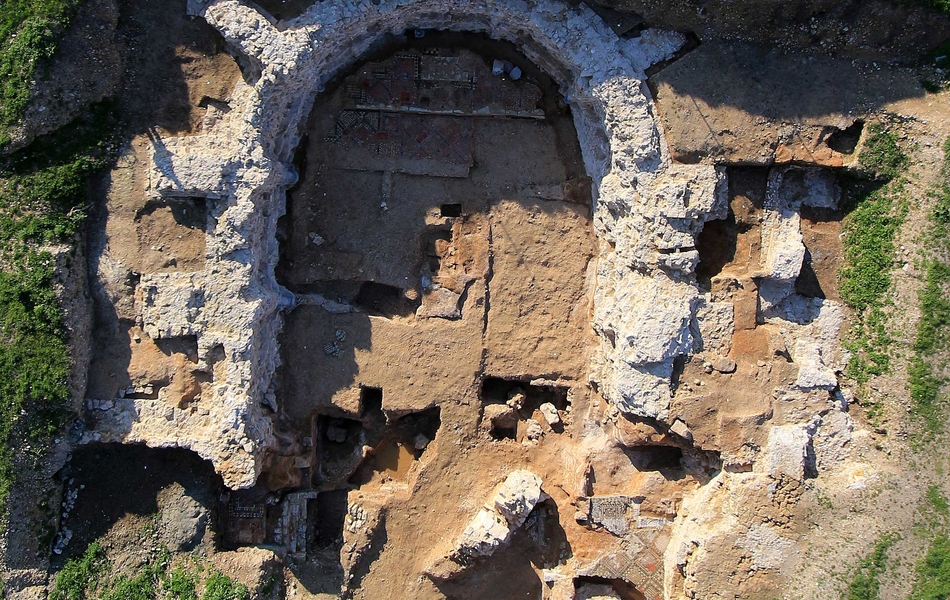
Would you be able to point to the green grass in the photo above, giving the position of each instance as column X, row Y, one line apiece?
column 181, row 585
column 933, row 572
column 220, row 587
column 91, row 576
column 29, row 34
column 865, row 582
column 942, row 6
column 933, row 329
column 937, row 501
column 882, row 155
column 869, row 247
column 79, row 576
column 876, row 208
column 42, row 201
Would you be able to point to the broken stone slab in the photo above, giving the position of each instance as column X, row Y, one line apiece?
column 812, row 371
column 484, row 534
column 533, row 432
column 550, row 414
column 642, row 390
column 680, row 429
column 650, row 315
column 653, row 45
column 492, row 525
column 783, row 247
column 715, row 325
column 794, row 187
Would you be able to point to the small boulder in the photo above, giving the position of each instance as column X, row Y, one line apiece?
column 680, row 429
column 516, row 399
column 517, row 496
column 501, row 416
column 420, row 442
column 723, row 364
column 550, row 414
column 533, row 431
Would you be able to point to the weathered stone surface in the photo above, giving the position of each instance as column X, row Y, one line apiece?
column 647, row 307
column 517, row 496
column 492, row 525
column 484, row 534
column 500, row 416
column 786, row 452
column 769, row 550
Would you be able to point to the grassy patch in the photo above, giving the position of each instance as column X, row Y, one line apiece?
column 865, row 583
column 876, row 208
column 79, row 577
column 937, row 5
column 93, row 576
column 933, row 572
column 933, row 329
column 181, row 585
column 29, row 34
column 220, row 587
column 869, row 247
column 937, row 501
column 42, row 201
column 882, row 155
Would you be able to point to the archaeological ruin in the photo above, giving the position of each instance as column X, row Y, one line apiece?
column 423, row 299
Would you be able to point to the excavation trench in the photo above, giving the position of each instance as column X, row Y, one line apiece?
column 430, row 271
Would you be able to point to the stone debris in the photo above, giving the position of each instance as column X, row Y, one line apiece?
column 492, row 525
column 533, row 432
column 501, row 416
column 516, row 398
column 679, row 428
column 723, row 364
column 420, row 442
column 65, row 535
column 362, row 526
column 550, row 414
column 517, row 497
